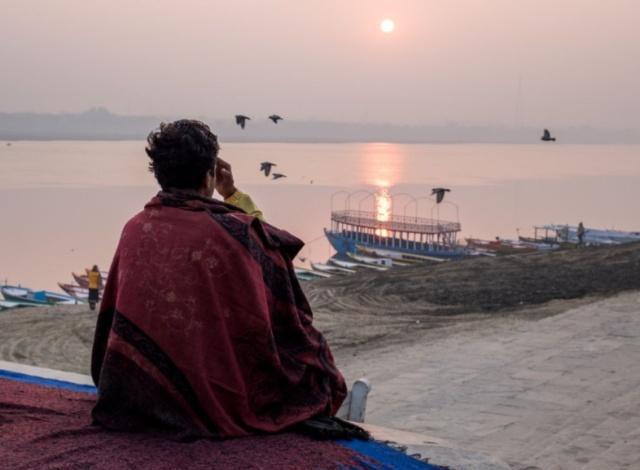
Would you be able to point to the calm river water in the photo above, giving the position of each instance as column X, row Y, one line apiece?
column 63, row 204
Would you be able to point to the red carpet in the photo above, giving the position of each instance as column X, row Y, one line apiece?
column 50, row 428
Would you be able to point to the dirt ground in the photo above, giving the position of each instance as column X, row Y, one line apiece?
column 375, row 310
column 371, row 309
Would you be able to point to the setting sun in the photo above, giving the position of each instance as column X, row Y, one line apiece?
column 387, row 26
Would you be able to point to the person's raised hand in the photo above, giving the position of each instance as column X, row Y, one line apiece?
column 224, row 179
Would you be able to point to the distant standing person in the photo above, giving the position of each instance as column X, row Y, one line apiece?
column 95, row 281
column 580, row 233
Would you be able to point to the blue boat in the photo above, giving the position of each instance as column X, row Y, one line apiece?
column 23, row 296
column 354, row 230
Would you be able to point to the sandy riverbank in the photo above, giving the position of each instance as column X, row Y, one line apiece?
column 372, row 311
column 511, row 356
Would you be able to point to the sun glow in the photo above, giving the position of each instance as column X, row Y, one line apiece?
column 383, row 210
column 387, row 26
column 383, row 205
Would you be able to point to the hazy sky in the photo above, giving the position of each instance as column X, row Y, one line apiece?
column 542, row 62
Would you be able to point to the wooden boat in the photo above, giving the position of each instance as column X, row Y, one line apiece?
column 81, row 279
column 396, row 233
column 403, row 256
column 308, row 274
column 326, row 268
column 26, row 296
column 77, row 292
column 592, row 236
column 383, row 262
column 549, row 241
column 503, row 247
column 481, row 252
column 399, row 258
column 6, row 304
column 304, row 277
column 545, row 246
column 353, row 265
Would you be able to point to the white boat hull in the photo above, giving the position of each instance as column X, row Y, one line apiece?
column 325, row 268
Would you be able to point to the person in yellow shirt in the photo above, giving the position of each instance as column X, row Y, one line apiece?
column 231, row 194
column 95, row 282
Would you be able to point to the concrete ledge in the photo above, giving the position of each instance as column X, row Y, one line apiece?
column 42, row 372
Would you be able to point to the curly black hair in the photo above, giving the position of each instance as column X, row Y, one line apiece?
column 181, row 153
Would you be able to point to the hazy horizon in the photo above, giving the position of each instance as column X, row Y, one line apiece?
column 566, row 63
column 101, row 124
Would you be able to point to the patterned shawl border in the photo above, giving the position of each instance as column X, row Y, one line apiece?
column 143, row 365
column 130, row 333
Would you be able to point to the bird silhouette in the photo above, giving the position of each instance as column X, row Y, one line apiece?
column 241, row 120
column 275, row 118
column 547, row 136
column 266, row 167
column 439, row 192
column 277, row 176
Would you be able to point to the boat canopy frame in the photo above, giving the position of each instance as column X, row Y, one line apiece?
column 364, row 226
column 393, row 231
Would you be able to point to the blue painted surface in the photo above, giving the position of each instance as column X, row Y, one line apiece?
column 51, row 383
column 386, row 457
column 344, row 243
column 376, row 456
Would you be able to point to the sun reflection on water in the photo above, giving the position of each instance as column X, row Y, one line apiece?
column 383, row 204
column 383, row 209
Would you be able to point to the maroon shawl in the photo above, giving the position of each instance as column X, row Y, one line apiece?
column 204, row 329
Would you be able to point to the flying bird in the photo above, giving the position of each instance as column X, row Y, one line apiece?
column 277, row 176
column 241, row 120
column 266, row 167
column 275, row 118
column 439, row 192
column 547, row 136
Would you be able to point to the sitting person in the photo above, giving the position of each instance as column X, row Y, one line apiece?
column 203, row 329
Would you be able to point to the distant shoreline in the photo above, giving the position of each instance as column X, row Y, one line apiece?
column 5, row 140
column 99, row 124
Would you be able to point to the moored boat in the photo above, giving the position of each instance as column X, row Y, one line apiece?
column 354, row 265
column 400, row 255
column 26, row 296
column 592, row 236
column 382, row 262
column 499, row 246
column 6, row 304
column 545, row 246
column 384, row 230
column 309, row 275
column 81, row 279
column 326, row 268
column 77, row 292
column 396, row 257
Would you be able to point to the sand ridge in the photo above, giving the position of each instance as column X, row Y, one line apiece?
column 374, row 310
